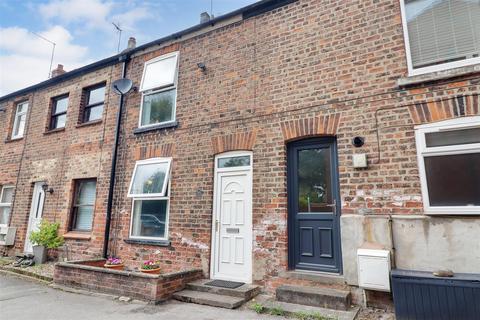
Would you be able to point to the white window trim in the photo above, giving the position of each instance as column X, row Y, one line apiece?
column 152, row 197
column 429, row 69
column 154, row 90
column 233, row 154
column 165, row 182
column 5, row 204
column 16, row 120
column 423, row 150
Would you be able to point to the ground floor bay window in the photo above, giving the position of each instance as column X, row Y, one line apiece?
column 449, row 165
column 150, row 193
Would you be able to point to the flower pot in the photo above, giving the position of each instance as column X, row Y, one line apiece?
column 154, row 271
column 39, row 254
column 114, row 266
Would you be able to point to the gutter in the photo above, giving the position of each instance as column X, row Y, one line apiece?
column 124, row 59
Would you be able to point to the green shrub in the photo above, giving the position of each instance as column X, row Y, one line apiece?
column 258, row 307
column 277, row 311
column 47, row 235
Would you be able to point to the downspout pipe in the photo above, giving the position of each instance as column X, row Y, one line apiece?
column 124, row 59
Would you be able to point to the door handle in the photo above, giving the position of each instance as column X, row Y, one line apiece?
column 333, row 206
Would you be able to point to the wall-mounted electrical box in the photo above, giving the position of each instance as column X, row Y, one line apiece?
column 7, row 236
column 374, row 269
column 359, row 160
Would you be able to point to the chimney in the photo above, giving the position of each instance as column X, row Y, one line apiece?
column 132, row 43
column 204, row 17
column 58, row 71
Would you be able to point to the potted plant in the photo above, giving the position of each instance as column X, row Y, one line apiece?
column 150, row 266
column 114, row 263
column 46, row 237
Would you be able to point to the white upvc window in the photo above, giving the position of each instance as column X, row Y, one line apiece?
column 150, row 190
column 159, row 91
column 449, row 165
column 20, row 120
column 6, row 196
column 440, row 34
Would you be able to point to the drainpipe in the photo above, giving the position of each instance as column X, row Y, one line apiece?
column 124, row 59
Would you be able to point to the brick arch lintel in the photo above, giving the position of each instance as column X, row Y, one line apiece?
column 156, row 151
column 234, row 141
column 438, row 110
column 309, row 127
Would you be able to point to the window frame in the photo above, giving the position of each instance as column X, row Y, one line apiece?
column 429, row 69
column 55, row 115
column 74, row 210
column 141, row 197
column 6, row 204
column 165, row 182
column 155, row 90
column 16, row 120
column 423, row 150
column 87, row 105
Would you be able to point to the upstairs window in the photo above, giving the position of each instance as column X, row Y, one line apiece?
column 20, row 120
column 151, row 199
column 83, row 204
column 94, row 101
column 449, row 164
column 159, row 90
column 441, row 34
column 6, row 196
column 59, row 112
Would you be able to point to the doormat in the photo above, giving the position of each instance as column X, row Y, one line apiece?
column 225, row 284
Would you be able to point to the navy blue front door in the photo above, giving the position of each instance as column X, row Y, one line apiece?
column 314, row 205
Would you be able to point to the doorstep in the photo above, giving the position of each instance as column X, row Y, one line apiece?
column 315, row 276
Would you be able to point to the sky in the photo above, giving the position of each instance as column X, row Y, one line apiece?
column 83, row 32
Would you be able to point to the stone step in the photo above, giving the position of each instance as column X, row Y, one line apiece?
column 315, row 296
column 246, row 291
column 209, row 299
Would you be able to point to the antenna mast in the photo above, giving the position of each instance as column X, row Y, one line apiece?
column 53, row 51
column 117, row 26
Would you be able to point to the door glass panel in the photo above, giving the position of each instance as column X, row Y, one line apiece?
column 234, row 162
column 453, row 180
column 314, row 190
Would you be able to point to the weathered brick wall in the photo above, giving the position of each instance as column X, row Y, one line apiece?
column 307, row 69
column 58, row 157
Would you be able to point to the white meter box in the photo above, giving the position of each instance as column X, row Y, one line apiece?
column 374, row 269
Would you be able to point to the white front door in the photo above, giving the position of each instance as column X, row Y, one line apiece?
column 36, row 212
column 232, row 218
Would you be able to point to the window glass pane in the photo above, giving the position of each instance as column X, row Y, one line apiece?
column 234, row 162
column 59, row 121
column 453, row 180
column 442, row 30
column 19, row 125
column 22, row 107
column 159, row 74
column 96, row 95
column 4, row 215
column 61, row 105
column 314, row 180
column 7, row 195
column 93, row 113
column 150, row 178
column 149, row 218
column 158, row 107
column 454, row 137
column 86, row 192
column 83, row 218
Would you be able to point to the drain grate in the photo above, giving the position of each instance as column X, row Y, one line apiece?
column 225, row 284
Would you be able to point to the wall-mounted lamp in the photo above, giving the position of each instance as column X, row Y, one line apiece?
column 202, row 66
column 358, row 141
column 47, row 189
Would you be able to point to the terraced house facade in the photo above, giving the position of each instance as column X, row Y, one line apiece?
column 267, row 146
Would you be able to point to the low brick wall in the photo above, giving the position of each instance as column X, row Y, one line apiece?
column 90, row 275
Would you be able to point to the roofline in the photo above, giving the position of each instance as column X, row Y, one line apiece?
column 249, row 11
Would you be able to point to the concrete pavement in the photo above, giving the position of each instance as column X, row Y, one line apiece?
column 22, row 299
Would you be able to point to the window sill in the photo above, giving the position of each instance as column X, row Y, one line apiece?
column 77, row 235
column 8, row 140
column 54, row 130
column 160, row 243
column 89, row 123
column 438, row 75
column 169, row 125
